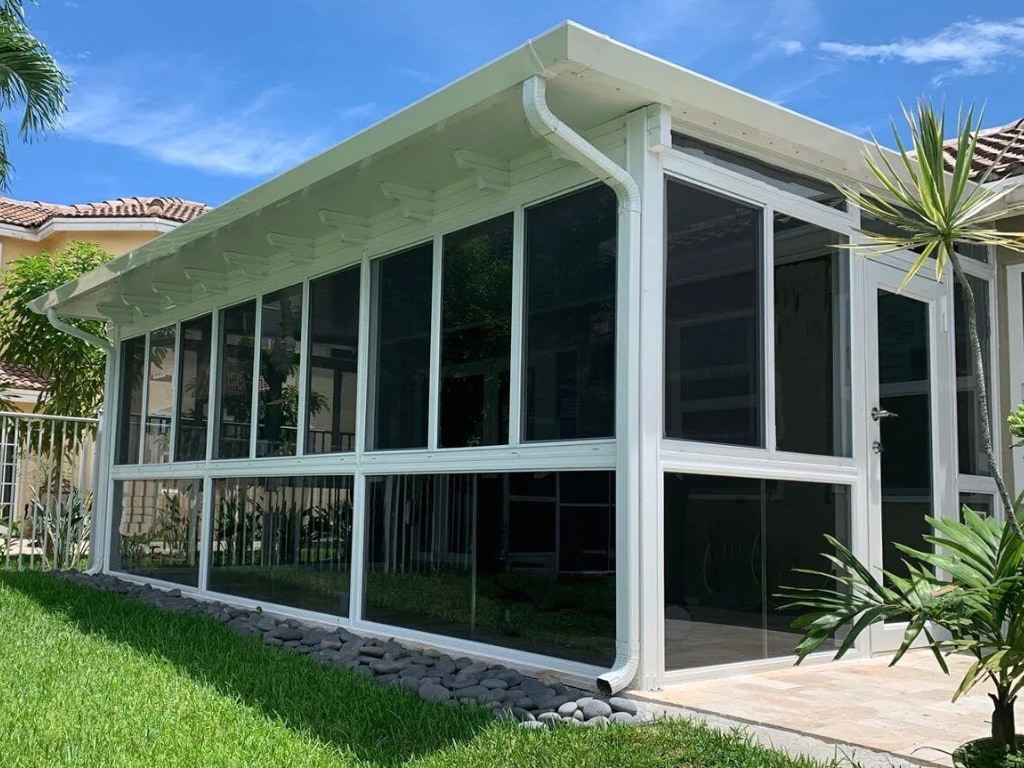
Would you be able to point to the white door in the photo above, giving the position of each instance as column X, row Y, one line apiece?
column 911, row 425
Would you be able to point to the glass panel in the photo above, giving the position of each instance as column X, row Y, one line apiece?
column 982, row 503
column 194, row 388
column 333, row 351
column 476, row 334
column 506, row 559
column 286, row 540
column 160, row 400
column 402, row 287
column 787, row 181
column 970, row 448
column 973, row 251
column 812, row 331
column 129, row 430
column 157, row 527
column 730, row 545
column 905, row 389
column 281, row 340
column 570, row 317
column 713, row 327
column 234, row 399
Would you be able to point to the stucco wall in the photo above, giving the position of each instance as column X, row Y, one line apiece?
column 116, row 243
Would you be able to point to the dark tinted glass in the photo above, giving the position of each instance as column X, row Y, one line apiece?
column 286, row 540
column 234, row 398
column 982, row 503
column 730, row 545
column 160, row 398
column 476, row 334
column 157, row 525
column 570, row 317
column 970, row 447
column 129, row 429
column 713, row 327
column 194, row 388
column 812, row 353
column 505, row 559
column 333, row 351
column 402, row 343
column 280, row 345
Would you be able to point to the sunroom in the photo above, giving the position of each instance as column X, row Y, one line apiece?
column 559, row 366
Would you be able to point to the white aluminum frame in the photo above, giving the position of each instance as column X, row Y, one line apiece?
column 1015, row 338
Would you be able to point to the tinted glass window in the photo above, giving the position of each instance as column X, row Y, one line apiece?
column 129, row 430
column 570, row 317
column 713, row 310
column 333, row 351
column 194, row 388
column 402, row 290
column 280, row 345
column 970, row 448
column 160, row 397
column 234, row 401
column 476, row 334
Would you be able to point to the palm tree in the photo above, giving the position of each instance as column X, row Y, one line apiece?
column 29, row 76
column 931, row 211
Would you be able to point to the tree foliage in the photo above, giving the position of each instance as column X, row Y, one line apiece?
column 29, row 78
column 73, row 369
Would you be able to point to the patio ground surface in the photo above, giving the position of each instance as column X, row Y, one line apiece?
column 903, row 710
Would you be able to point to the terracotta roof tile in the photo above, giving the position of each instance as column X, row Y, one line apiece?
column 20, row 377
column 33, row 214
column 991, row 142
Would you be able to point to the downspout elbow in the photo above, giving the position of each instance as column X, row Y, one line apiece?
column 78, row 333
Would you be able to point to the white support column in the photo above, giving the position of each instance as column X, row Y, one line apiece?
column 257, row 353
column 106, row 435
column 644, row 163
column 305, row 348
column 517, row 360
column 434, row 385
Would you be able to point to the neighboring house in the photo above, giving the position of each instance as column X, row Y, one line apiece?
column 559, row 365
column 28, row 227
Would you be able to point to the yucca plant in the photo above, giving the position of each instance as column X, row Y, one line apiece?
column 932, row 211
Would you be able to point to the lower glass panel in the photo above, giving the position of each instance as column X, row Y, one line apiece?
column 286, row 540
column 157, row 526
column 523, row 560
column 982, row 503
column 731, row 544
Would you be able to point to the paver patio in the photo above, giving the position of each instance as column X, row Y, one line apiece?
column 905, row 710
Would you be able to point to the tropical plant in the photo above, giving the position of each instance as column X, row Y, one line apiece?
column 73, row 370
column 29, row 76
column 930, row 211
column 66, row 524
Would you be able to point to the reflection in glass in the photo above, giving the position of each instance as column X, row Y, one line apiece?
column 286, row 540
column 402, row 289
column 904, row 382
column 234, row 398
column 157, row 527
column 570, row 317
column 129, row 429
column 522, row 560
column 713, row 326
column 812, row 353
column 731, row 544
column 476, row 334
column 160, row 398
column 970, row 448
column 194, row 388
column 982, row 503
column 333, row 350
column 280, row 343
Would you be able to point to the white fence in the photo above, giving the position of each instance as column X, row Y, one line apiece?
column 47, row 466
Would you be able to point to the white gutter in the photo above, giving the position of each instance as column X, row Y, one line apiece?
column 78, row 333
column 627, row 520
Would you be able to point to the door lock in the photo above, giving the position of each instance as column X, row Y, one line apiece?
column 877, row 447
column 877, row 414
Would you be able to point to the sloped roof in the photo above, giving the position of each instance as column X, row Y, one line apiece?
column 34, row 214
column 1008, row 139
column 20, row 377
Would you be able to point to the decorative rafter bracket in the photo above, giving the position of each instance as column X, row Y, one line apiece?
column 299, row 249
column 659, row 127
column 492, row 173
column 209, row 280
column 118, row 313
column 177, row 293
column 415, row 203
column 147, row 303
column 248, row 264
column 352, row 229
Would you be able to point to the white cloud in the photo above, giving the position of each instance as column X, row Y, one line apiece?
column 791, row 47
column 419, row 75
column 969, row 47
column 219, row 140
column 359, row 112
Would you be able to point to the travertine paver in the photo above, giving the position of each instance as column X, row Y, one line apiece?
column 905, row 710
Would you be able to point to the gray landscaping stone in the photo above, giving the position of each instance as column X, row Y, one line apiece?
column 373, row 650
column 522, row 715
column 434, row 693
column 531, row 724
column 411, row 684
column 364, row 671
column 566, row 710
column 578, row 716
column 597, row 722
column 287, row 634
column 591, row 708
column 552, row 702
column 444, row 667
column 526, row 703
column 462, row 663
column 549, row 718
column 495, row 696
column 619, row 704
column 271, row 640
column 266, row 624
column 494, row 683
column 387, row 667
column 621, row 717
column 459, row 682
column 331, row 643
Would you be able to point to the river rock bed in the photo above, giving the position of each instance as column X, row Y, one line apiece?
column 433, row 676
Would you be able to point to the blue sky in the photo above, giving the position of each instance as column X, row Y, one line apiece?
column 204, row 99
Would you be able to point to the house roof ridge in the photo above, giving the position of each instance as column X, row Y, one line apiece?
column 33, row 214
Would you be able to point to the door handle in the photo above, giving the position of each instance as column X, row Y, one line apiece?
column 877, row 414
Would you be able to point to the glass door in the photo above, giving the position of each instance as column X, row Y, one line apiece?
column 910, row 420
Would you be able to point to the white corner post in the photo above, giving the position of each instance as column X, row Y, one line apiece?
column 627, row 374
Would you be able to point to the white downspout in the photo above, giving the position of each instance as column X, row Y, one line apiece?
column 627, row 520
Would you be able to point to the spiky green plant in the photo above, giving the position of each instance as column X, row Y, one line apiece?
column 931, row 211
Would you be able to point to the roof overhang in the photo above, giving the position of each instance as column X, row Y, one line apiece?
column 469, row 131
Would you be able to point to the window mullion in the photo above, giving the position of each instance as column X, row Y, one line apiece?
column 301, row 428
column 175, row 386
column 364, row 359
column 434, row 386
column 515, row 405
column 144, row 413
column 768, row 326
column 257, row 348
column 213, row 407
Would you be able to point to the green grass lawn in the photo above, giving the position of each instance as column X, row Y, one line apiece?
column 94, row 679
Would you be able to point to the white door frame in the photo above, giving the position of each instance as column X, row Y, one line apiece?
column 1015, row 341
column 935, row 296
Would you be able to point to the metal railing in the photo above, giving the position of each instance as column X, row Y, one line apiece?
column 46, row 490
